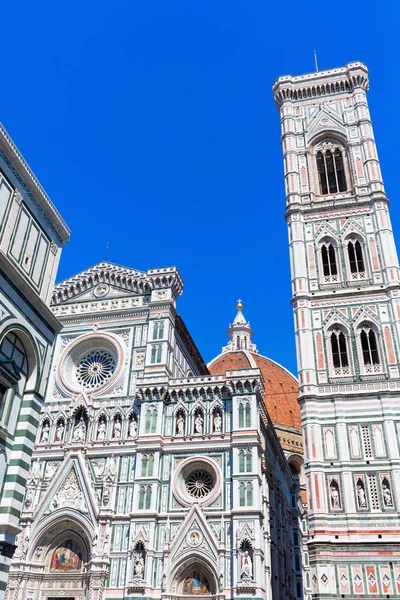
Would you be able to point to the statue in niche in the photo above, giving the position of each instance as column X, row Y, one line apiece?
column 29, row 497
column 335, row 496
column 59, row 437
column 246, row 567
column 387, row 494
column 25, row 546
column 217, row 423
column 361, row 498
column 45, row 433
column 180, row 425
column 79, row 434
column 198, row 423
column 117, row 429
column 133, row 428
column 139, row 566
column 101, row 431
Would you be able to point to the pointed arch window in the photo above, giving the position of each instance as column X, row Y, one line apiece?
column 330, row 169
column 248, row 461
column 246, row 493
column 329, row 262
column 151, row 421
column 241, row 415
column 154, row 421
column 340, row 358
column 245, row 461
column 249, row 494
column 153, row 354
column 148, row 498
column 242, row 494
column 142, row 492
column 247, row 415
column 241, row 461
column 144, row 465
column 371, row 363
column 356, row 258
column 369, row 347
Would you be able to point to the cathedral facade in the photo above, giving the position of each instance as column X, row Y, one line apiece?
column 155, row 475
column 152, row 476
column 346, row 300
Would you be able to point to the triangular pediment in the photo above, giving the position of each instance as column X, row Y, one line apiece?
column 70, row 490
column 194, row 537
column 324, row 120
column 102, row 281
column 106, row 278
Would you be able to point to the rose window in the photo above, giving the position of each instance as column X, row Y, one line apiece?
column 199, row 484
column 95, row 369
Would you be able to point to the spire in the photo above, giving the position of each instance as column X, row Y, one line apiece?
column 239, row 333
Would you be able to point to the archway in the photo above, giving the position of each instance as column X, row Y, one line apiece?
column 194, row 577
column 59, row 554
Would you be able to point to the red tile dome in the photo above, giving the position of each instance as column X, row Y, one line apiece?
column 281, row 387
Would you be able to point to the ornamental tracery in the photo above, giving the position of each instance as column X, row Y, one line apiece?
column 95, row 369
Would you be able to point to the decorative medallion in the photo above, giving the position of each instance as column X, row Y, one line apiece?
column 194, row 538
column 101, row 290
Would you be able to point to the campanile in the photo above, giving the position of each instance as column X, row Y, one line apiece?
column 346, row 303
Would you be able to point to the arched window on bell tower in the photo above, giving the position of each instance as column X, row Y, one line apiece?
column 330, row 169
column 355, row 258
column 369, row 349
column 339, row 352
column 329, row 264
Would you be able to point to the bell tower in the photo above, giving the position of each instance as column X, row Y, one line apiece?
column 346, row 302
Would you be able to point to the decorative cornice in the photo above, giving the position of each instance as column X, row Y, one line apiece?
column 35, row 190
column 320, row 83
column 139, row 282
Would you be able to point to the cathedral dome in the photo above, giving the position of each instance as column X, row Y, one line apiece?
column 281, row 387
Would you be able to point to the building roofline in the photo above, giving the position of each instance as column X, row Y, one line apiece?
column 212, row 361
column 339, row 80
column 36, row 189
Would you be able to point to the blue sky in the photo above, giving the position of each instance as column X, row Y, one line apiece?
column 151, row 124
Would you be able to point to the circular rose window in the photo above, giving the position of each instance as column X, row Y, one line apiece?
column 197, row 480
column 199, row 484
column 95, row 369
column 93, row 363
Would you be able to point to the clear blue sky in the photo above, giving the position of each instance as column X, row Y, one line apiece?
column 151, row 124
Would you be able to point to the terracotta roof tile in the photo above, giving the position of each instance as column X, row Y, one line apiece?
column 281, row 388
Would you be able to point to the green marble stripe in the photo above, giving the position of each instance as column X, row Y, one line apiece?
column 18, row 462
column 15, row 478
column 9, row 510
column 25, row 433
column 13, row 494
column 27, row 419
column 22, row 448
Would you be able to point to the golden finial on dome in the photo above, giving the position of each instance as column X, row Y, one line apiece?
column 239, row 305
